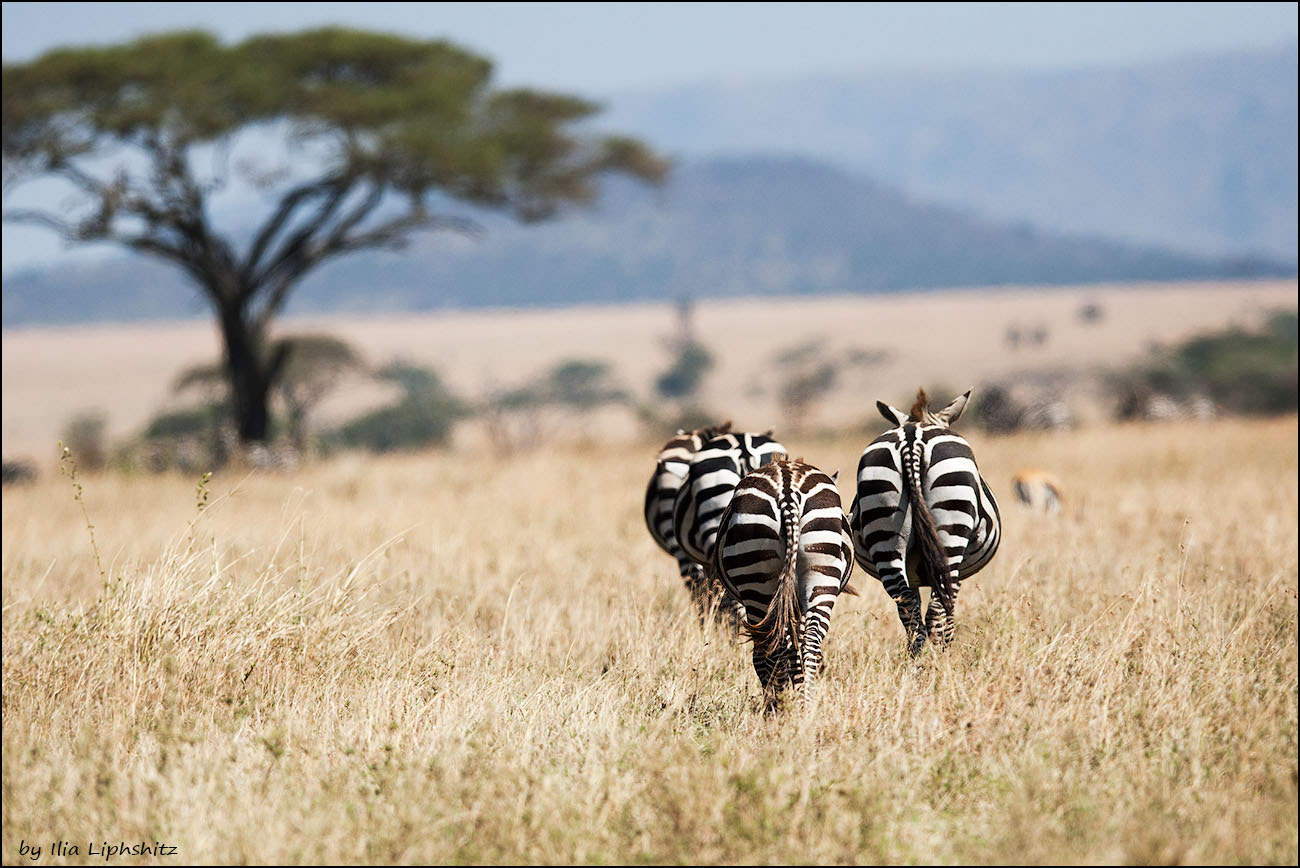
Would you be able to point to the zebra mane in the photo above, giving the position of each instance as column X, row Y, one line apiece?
column 715, row 430
column 921, row 409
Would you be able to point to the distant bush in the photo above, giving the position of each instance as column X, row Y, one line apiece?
column 199, row 437
column 691, row 362
column 314, row 365
column 424, row 416
column 514, row 419
column 1091, row 312
column 579, row 384
column 1241, row 371
column 195, row 421
column 20, row 471
column 84, row 435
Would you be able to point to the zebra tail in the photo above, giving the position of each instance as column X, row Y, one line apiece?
column 783, row 616
column 934, row 560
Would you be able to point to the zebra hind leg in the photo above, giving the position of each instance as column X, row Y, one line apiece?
column 908, row 600
column 814, row 631
column 773, row 673
column 939, row 625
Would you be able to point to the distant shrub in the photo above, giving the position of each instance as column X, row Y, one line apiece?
column 84, row 435
column 313, row 366
column 1091, row 313
column 1241, row 371
column 579, row 384
column 199, row 437
column 691, row 362
column 424, row 416
column 19, row 471
column 194, row 421
column 514, row 418
column 806, row 374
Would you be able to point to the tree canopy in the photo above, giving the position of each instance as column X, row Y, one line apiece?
column 374, row 126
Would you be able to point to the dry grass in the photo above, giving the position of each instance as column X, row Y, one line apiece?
column 435, row 659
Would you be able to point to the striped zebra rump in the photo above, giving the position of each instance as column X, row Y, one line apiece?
column 715, row 471
column 782, row 624
column 671, row 468
column 922, row 515
column 932, row 557
column 784, row 550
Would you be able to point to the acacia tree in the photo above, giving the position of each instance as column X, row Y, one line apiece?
column 384, row 123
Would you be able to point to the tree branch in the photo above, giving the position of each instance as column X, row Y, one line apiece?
column 291, row 247
column 36, row 217
column 301, row 252
column 289, row 203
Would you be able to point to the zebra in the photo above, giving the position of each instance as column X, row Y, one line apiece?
column 785, row 551
column 1038, row 490
column 1046, row 415
column 670, row 472
column 922, row 515
column 715, row 470
column 711, row 479
column 1144, row 403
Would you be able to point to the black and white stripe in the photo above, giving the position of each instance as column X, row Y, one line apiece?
column 923, row 516
column 785, row 551
column 661, row 494
column 715, row 471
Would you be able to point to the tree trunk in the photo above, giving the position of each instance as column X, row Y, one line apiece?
column 249, row 371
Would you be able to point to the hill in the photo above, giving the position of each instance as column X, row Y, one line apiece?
column 755, row 226
column 1198, row 154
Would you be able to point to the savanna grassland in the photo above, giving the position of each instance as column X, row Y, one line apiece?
column 443, row 659
column 128, row 372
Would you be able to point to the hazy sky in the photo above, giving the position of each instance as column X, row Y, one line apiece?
column 602, row 49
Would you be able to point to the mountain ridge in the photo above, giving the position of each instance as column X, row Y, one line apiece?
column 723, row 227
column 1197, row 154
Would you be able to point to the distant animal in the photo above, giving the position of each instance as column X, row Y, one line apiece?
column 715, row 470
column 1145, row 403
column 1038, row 490
column 1046, row 415
column 785, row 551
column 922, row 516
column 670, row 472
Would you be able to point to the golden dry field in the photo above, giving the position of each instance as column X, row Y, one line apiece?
column 452, row 658
column 953, row 338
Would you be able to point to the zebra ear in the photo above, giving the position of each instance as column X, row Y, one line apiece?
column 835, row 477
column 891, row 414
column 951, row 413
